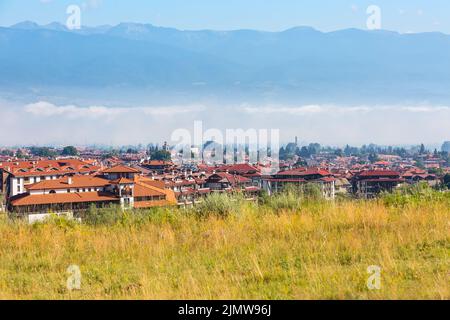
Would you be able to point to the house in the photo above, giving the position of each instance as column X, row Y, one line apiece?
column 158, row 166
column 227, row 182
column 343, row 186
column 188, row 187
column 119, row 185
column 370, row 183
column 19, row 174
column 120, row 171
column 223, row 181
column 245, row 170
column 301, row 176
column 419, row 175
column 149, row 193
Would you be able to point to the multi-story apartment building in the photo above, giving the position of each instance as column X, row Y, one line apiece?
column 17, row 175
column 119, row 185
column 370, row 183
column 301, row 176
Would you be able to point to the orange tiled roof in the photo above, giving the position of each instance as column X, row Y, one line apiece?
column 232, row 179
column 122, row 181
column 142, row 188
column 121, row 169
column 304, row 172
column 155, row 183
column 29, row 200
column 63, row 183
column 381, row 173
column 158, row 163
column 152, row 204
column 48, row 167
column 241, row 168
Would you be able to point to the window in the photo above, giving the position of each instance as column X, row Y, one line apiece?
column 52, row 192
column 68, row 190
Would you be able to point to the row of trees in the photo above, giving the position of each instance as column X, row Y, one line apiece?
column 69, row 151
column 370, row 151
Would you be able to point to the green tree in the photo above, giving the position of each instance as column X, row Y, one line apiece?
column 160, row 155
column 373, row 157
column 43, row 152
column 70, row 151
column 19, row 154
column 447, row 180
column 422, row 149
column 314, row 148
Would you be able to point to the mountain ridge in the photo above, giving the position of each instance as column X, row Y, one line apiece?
column 299, row 61
column 59, row 25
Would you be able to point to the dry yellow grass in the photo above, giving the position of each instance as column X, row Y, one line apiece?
column 321, row 251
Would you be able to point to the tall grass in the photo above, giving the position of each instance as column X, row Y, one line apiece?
column 227, row 248
column 414, row 194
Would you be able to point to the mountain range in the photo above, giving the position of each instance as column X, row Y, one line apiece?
column 301, row 62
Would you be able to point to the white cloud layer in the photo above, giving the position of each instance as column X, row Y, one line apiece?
column 327, row 109
column 48, row 123
column 47, row 109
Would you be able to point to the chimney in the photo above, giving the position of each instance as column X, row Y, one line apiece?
column 69, row 181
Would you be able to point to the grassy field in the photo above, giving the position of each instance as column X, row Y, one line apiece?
column 283, row 248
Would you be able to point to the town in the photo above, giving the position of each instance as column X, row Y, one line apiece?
column 44, row 180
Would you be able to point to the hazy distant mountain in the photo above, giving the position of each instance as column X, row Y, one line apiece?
column 300, row 61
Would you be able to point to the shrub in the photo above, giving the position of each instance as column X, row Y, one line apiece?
column 217, row 204
column 288, row 199
column 413, row 195
column 103, row 216
column 293, row 197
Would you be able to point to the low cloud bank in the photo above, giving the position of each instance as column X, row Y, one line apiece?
column 47, row 123
column 47, row 109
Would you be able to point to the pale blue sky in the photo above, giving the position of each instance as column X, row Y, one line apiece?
column 325, row 15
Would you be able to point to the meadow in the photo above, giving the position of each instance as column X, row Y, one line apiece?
column 286, row 247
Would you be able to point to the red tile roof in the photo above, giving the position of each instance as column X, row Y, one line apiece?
column 48, row 167
column 384, row 180
column 121, row 169
column 122, row 181
column 158, row 163
column 144, row 188
column 63, row 198
column 63, row 183
column 305, row 172
column 232, row 179
column 381, row 173
column 241, row 168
